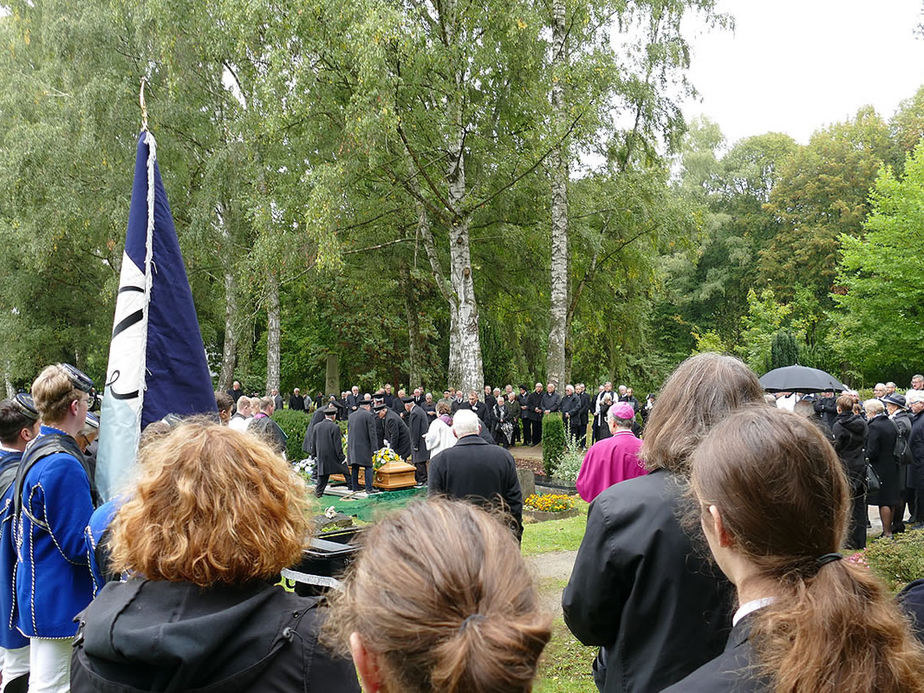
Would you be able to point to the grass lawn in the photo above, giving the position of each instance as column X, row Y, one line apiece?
column 555, row 535
column 565, row 664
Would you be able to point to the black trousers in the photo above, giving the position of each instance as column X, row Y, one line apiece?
column 532, row 431
column 579, row 433
column 322, row 484
column 420, row 472
column 856, row 535
column 355, row 480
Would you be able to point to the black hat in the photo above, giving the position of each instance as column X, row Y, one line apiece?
column 364, row 402
column 26, row 406
column 896, row 399
column 407, row 399
column 379, row 406
column 329, row 409
column 523, row 387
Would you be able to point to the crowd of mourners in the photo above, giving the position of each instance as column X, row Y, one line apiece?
column 711, row 561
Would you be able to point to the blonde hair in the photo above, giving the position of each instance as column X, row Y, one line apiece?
column 212, row 506
column 784, row 499
column 52, row 393
column 701, row 392
column 455, row 609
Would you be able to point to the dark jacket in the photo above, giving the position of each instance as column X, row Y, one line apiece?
column 551, row 401
column 733, row 671
column 419, row 424
column 475, row 470
column 158, row 636
column 880, row 441
column 849, row 440
column 327, row 447
column 826, row 408
column 297, row 403
column 270, row 431
column 657, row 606
column 315, row 418
column 361, row 437
column 569, row 405
column 585, row 406
column 533, row 402
column 916, row 471
column 397, row 434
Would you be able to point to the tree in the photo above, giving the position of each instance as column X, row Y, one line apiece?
column 880, row 309
column 784, row 350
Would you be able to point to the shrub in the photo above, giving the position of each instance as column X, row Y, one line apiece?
column 553, row 441
column 293, row 424
column 899, row 561
column 571, row 461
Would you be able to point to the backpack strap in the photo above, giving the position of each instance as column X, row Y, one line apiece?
column 42, row 447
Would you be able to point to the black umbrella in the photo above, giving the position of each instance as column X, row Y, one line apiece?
column 800, row 379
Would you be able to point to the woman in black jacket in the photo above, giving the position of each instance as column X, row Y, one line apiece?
column 772, row 500
column 880, row 449
column 849, row 441
column 214, row 518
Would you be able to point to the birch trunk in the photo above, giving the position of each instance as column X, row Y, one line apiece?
column 464, row 342
column 7, row 383
column 558, row 165
column 229, row 352
column 272, row 334
column 332, row 375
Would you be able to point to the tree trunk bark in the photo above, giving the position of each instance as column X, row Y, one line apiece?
column 229, row 352
column 272, row 334
column 465, row 367
column 558, row 165
column 7, row 383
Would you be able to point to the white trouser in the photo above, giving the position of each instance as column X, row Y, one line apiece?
column 50, row 665
column 15, row 664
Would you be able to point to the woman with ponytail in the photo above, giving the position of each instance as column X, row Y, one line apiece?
column 439, row 599
column 774, row 503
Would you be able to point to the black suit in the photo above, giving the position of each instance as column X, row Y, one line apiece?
column 307, row 440
column 657, row 607
column 327, row 444
column 397, row 434
column 532, row 420
column 419, row 424
column 475, row 470
column 297, row 403
column 733, row 671
column 361, row 442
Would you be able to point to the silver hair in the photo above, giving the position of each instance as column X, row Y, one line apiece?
column 465, row 423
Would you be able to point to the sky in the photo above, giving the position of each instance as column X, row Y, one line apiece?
column 796, row 66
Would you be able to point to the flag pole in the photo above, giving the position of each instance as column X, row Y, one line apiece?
column 144, row 108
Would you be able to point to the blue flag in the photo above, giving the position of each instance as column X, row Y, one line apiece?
column 157, row 363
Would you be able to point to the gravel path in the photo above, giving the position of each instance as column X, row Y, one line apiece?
column 552, row 566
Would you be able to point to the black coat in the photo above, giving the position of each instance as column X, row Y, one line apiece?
column 583, row 409
column 157, row 636
column 361, row 437
column 826, row 408
column 306, row 441
column 733, row 671
column 327, row 444
column 880, row 452
column 550, row 402
column 916, row 472
column 485, row 474
column 533, row 402
column 849, row 440
column 656, row 605
column 270, row 431
column 297, row 403
column 419, row 424
column 569, row 407
column 480, row 409
column 397, row 434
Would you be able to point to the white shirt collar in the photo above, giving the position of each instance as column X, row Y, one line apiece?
column 750, row 607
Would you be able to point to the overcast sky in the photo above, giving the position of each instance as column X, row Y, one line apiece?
column 795, row 66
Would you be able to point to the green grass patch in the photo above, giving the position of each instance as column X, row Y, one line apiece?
column 565, row 665
column 555, row 535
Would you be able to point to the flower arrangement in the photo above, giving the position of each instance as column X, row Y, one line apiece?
column 304, row 468
column 549, row 503
column 383, row 456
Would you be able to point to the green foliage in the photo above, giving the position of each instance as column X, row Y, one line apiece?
column 882, row 295
column 554, row 440
column 784, row 350
column 293, row 424
column 764, row 318
column 570, row 463
column 899, row 561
